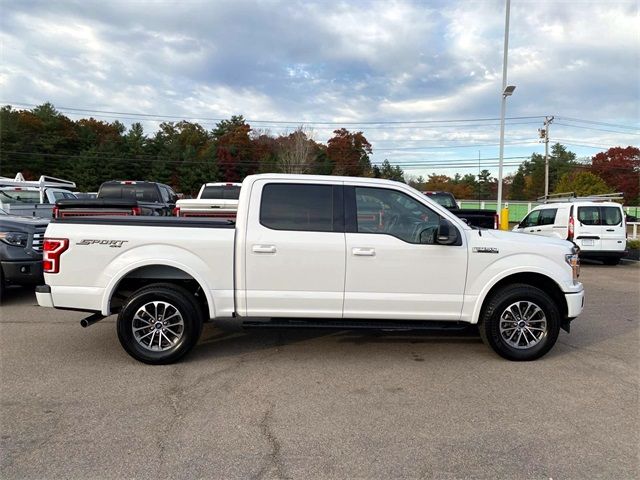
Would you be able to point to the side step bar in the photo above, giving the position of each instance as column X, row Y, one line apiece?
column 340, row 324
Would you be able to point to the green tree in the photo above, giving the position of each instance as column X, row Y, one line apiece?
column 518, row 186
column 484, row 184
column 391, row 172
column 582, row 183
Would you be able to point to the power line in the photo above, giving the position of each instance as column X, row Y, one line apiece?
column 289, row 122
column 593, row 122
column 598, row 129
column 105, row 157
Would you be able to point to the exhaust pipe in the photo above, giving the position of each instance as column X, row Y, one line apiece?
column 86, row 322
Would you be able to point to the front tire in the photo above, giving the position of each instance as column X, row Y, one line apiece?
column 520, row 322
column 159, row 324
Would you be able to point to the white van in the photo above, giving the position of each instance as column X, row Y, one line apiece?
column 595, row 224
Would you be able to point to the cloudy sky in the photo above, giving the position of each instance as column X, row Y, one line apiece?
column 421, row 79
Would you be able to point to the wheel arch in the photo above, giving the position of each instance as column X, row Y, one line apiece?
column 535, row 279
column 144, row 273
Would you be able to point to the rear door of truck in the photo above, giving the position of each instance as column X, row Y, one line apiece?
column 295, row 250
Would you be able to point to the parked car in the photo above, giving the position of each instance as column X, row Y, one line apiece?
column 122, row 198
column 298, row 255
column 217, row 200
column 34, row 198
column 21, row 240
column 476, row 217
column 595, row 224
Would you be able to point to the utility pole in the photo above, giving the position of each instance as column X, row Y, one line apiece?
column 544, row 134
column 506, row 91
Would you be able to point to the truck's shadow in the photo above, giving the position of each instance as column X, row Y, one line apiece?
column 220, row 343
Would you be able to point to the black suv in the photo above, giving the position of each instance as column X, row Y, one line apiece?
column 21, row 241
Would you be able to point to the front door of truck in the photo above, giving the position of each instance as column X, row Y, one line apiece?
column 395, row 267
column 295, row 250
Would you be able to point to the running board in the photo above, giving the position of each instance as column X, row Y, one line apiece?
column 387, row 325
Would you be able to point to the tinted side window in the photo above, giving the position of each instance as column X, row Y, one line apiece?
column 531, row 219
column 297, row 207
column 547, row 216
column 380, row 210
column 589, row 215
column 611, row 215
column 166, row 198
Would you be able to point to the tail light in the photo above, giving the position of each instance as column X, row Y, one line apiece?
column 136, row 211
column 496, row 221
column 56, row 212
column 52, row 249
column 571, row 229
column 176, row 211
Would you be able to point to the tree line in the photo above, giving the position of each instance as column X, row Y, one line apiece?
column 43, row 141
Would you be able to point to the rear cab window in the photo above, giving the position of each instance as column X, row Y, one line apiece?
column 221, row 192
column 301, row 207
column 143, row 192
column 19, row 196
column 445, row 199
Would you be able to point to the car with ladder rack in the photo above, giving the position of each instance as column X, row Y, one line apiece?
column 595, row 223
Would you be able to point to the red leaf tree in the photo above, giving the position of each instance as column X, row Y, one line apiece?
column 620, row 168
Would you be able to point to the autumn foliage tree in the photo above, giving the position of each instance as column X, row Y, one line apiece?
column 349, row 152
column 620, row 168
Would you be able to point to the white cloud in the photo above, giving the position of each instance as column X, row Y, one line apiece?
column 333, row 61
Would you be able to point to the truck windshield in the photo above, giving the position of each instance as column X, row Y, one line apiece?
column 19, row 196
column 142, row 192
column 221, row 192
column 443, row 198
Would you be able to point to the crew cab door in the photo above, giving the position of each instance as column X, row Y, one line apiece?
column 395, row 267
column 295, row 250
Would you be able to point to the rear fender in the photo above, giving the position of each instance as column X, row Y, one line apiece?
column 165, row 255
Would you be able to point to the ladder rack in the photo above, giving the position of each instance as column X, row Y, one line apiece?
column 572, row 197
column 41, row 184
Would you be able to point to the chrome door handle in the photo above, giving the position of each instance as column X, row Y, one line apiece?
column 264, row 249
column 364, row 252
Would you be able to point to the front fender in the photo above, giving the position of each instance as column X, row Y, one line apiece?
column 165, row 255
column 486, row 278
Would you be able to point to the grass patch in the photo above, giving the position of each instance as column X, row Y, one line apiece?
column 633, row 244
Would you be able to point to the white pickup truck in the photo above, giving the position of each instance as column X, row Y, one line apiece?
column 215, row 200
column 312, row 251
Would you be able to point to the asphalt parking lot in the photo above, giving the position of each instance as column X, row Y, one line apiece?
column 322, row 404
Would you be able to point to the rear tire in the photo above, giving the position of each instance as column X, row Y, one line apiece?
column 159, row 324
column 520, row 322
column 611, row 261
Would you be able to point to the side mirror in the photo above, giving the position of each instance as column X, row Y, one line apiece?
column 447, row 233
